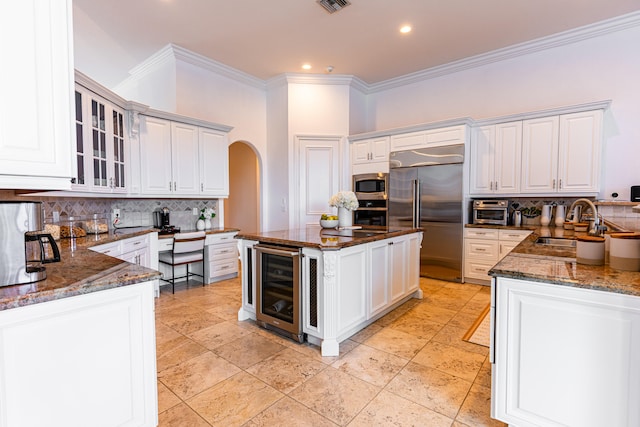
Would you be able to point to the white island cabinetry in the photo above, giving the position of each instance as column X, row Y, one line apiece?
column 344, row 289
column 564, row 356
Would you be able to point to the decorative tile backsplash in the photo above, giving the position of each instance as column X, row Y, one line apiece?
column 133, row 212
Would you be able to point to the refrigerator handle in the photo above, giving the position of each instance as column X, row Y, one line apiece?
column 416, row 203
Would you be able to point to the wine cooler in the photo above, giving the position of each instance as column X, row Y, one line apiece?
column 278, row 289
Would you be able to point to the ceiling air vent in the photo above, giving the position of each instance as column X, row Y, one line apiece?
column 333, row 6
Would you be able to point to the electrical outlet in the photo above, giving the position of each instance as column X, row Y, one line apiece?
column 56, row 216
column 116, row 212
column 195, row 211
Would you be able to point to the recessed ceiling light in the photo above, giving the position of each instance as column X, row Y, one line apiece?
column 405, row 29
column 306, row 66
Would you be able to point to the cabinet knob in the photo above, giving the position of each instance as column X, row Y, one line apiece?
column 553, row 185
column 560, row 185
column 201, row 186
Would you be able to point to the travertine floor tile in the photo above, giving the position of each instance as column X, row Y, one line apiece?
column 286, row 370
column 197, row 374
column 433, row 313
column 286, row 412
column 439, row 391
column 416, row 326
column 396, row 342
column 166, row 399
column 452, row 360
column 476, row 408
column 208, row 359
column 219, row 334
column 234, row 401
column 390, row 409
column 248, row 350
column 177, row 351
column 189, row 322
column 335, row 395
column 452, row 335
column 366, row 333
column 374, row 366
column 181, row 416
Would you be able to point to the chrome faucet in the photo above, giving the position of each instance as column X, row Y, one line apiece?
column 596, row 228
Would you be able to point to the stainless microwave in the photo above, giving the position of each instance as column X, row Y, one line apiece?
column 491, row 212
column 371, row 186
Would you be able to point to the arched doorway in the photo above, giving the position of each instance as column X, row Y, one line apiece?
column 242, row 208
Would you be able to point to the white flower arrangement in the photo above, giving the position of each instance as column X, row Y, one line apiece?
column 206, row 213
column 344, row 199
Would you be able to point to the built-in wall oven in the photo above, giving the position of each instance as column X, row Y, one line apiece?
column 371, row 191
column 278, row 289
column 371, row 186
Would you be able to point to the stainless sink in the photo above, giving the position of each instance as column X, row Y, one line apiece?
column 556, row 241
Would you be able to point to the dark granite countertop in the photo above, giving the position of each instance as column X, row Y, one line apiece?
column 539, row 263
column 325, row 238
column 80, row 271
column 211, row 231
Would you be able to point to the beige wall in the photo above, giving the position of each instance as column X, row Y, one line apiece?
column 242, row 208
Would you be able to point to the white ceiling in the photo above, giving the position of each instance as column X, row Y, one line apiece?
column 267, row 38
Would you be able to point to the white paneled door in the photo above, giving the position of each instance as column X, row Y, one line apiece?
column 318, row 176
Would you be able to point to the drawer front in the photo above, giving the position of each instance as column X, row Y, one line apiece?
column 481, row 249
column 133, row 244
column 514, row 235
column 481, row 233
column 165, row 244
column 111, row 249
column 217, row 238
column 477, row 269
column 228, row 250
column 218, row 268
column 506, row 247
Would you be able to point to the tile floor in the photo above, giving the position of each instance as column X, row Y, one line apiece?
column 410, row 368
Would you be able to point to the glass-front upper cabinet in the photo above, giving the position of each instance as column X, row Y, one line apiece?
column 100, row 144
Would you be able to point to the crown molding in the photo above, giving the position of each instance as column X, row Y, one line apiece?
column 555, row 111
column 219, row 68
column 597, row 29
column 95, row 87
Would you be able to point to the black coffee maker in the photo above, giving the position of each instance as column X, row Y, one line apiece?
column 161, row 218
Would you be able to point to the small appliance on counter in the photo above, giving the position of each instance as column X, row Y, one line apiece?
column 161, row 220
column 491, row 211
column 635, row 193
column 24, row 247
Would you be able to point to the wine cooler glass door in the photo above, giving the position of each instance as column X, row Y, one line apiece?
column 278, row 287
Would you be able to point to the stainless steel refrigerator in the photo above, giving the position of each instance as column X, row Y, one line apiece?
column 425, row 191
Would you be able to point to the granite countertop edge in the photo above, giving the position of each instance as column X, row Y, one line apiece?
column 317, row 238
column 538, row 263
column 80, row 271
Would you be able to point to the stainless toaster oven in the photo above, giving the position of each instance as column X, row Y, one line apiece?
column 491, row 211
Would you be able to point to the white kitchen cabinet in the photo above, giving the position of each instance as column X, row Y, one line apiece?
column 564, row 356
column 214, row 163
column 221, row 257
column 429, row 138
column 101, row 147
column 379, row 283
column 495, row 159
column 561, row 154
column 36, row 106
column 484, row 247
column 136, row 250
column 86, row 360
column 370, row 155
column 181, row 159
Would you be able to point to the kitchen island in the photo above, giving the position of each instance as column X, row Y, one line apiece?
column 78, row 348
column 565, row 339
column 348, row 278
